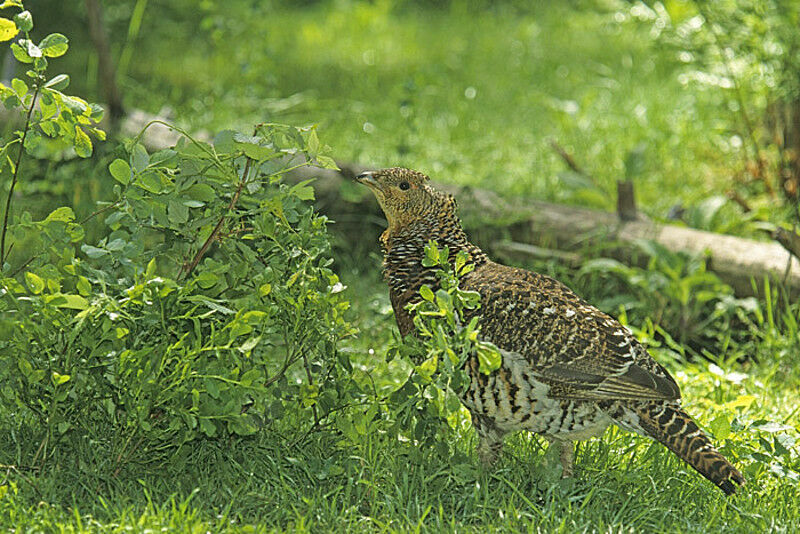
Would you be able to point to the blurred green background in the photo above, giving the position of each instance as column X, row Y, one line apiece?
column 696, row 104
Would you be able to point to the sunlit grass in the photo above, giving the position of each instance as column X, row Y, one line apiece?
column 470, row 99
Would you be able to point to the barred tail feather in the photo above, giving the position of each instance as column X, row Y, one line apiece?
column 676, row 430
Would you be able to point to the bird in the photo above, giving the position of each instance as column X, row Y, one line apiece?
column 568, row 369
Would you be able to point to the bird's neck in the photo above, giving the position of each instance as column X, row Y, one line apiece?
column 404, row 249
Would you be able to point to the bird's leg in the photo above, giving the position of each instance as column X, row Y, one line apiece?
column 490, row 439
column 567, row 458
column 565, row 451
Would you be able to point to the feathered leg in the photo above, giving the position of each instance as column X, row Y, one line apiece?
column 490, row 439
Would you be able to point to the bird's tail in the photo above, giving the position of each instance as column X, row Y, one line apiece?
column 676, row 430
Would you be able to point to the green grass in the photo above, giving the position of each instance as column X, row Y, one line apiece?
column 473, row 100
column 279, row 481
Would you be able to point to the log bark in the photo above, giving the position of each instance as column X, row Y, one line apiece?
column 508, row 227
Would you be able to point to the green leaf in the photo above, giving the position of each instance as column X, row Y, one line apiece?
column 313, row 142
column 250, row 344
column 207, row 279
column 151, row 268
column 428, row 367
column 20, row 54
column 31, row 49
column 120, row 170
column 93, row 252
column 426, row 293
column 720, row 427
column 151, row 182
column 83, row 286
column 489, row 358
column 74, row 302
column 59, row 83
column 178, row 212
column 82, row 143
column 223, row 141
column 139, row 158
column 201, row 192
column 19, row 87
column 34, row 282
column 326, row 162
column 8, row 30
column 303, row 191
column 59, row 379
column 63, row 214
column 24, row 21
column 32, row 140
column 264, row 290
column 208, row 427
column 54, row 45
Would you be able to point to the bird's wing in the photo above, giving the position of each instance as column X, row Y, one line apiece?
column 577, row 350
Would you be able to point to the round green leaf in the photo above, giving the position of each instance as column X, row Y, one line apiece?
column 24, row 21
column 59, row 379
column 20, row 54
column 120, row 170
column 58, row 83
column 19, row 87
column 82, row 144
column 35, row 283
column 54, row 45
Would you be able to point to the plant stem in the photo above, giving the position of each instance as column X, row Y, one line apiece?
column 16, row 174
column 203, row 249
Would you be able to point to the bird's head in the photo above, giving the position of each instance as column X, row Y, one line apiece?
column 405, row 196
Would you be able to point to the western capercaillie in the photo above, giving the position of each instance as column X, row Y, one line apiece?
column 568, row 370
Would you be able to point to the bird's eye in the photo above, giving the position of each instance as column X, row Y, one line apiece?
column 404, row 185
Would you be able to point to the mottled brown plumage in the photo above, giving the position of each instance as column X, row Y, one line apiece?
column 569, row 370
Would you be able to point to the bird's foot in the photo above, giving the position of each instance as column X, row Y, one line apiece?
column 489, row 452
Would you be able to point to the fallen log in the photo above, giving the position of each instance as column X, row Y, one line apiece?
column 495, row 222
column 509, row 227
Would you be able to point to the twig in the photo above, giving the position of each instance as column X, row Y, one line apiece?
column 16, row 174
column 16, row 470
column 567, row 157
column 740, row 200
column 186, row 271
column 22, row 267
column 310, row 383
column 789, row 239
column 101, row 210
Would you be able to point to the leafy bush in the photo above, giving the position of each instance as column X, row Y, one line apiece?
column 427, row 404
column 209, row 309
column 676, row 295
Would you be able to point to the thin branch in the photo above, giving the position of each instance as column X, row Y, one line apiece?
column 789, row 239
column 100, row 211
column 21, row 267
column 186, row 271
column 568, row 159
column 16, row 174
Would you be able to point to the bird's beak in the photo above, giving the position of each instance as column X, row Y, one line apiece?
column 368, row 179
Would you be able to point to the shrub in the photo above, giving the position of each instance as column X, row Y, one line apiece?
column 209, row 309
